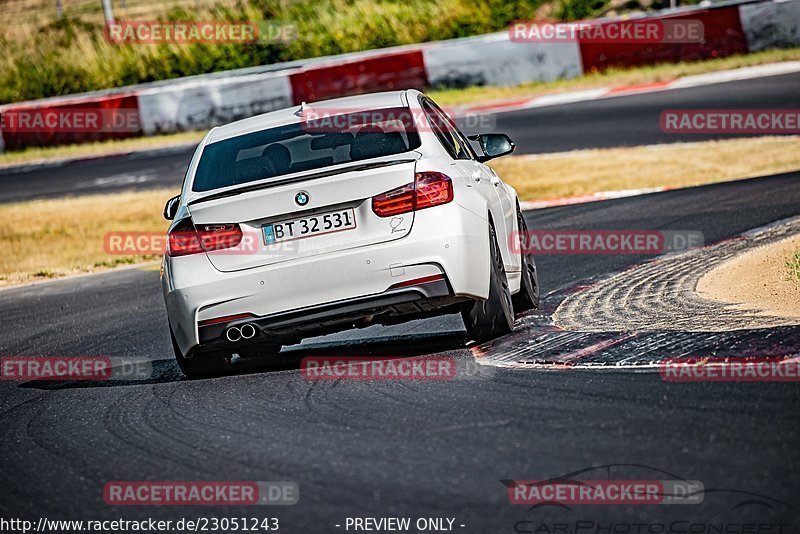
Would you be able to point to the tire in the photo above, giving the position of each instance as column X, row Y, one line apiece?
column 493, row 317
column 528, row 296
column 202, row 364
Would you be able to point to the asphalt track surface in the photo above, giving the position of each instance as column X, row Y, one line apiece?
column 619, row 121
column 405, row 448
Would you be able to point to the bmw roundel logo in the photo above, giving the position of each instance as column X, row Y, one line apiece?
column 302, row 198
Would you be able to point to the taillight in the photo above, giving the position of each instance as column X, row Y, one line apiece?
column 219, row 236
column 186, row 238
column 429, row 189
column 400, row 200
column 183, row 239
column 433, row 189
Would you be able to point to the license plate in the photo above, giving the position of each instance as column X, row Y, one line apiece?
column 324, row 223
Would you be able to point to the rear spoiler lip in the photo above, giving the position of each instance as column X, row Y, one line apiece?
column 300, row 178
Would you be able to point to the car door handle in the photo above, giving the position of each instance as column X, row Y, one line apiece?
column 476, row 176
column 495, row 181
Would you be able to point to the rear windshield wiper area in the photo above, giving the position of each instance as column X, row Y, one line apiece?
column 300, row 178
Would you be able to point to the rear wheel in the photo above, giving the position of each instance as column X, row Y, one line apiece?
column 200, row 364
column 528, row 296
column 493, row 317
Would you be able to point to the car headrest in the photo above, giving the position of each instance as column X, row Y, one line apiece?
column 371, row 142
column 278, row 157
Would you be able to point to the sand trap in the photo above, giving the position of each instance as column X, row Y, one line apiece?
column 756, row 279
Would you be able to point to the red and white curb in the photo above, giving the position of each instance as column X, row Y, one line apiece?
column 744, row 73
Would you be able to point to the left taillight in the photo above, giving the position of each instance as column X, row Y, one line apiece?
column 186, row 238
column 429, row 189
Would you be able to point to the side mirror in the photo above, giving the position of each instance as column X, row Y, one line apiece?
column 494, row 145
column 171, row 207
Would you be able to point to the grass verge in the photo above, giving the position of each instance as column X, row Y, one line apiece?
column 448, row 97
column 674, row 165
column 52, row 238
column 44, row 239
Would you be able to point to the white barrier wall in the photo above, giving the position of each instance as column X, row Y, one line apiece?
column 201, row 104
column 496, row 60
column 771, row 24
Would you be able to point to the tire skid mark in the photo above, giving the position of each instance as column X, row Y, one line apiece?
column 159, row 437
column 184, row 428
column 25, row 428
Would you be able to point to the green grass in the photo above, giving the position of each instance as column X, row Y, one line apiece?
column 41, row 61
column 580, row 9
column 793, row 265
column 44, row 56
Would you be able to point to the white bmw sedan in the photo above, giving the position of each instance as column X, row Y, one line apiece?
column 340, row 214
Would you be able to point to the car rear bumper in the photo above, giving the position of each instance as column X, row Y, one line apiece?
column 325, row 292
column 427, row 298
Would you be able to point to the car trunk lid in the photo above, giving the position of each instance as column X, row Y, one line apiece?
column 334, row 203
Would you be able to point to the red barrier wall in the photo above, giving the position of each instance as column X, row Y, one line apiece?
column 723, row 36
column 404, row 70
column 72, row 121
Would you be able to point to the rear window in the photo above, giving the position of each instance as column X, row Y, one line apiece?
column 313, row 144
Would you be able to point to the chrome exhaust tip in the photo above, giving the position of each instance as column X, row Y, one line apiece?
column 247, row 331
column 233, row 334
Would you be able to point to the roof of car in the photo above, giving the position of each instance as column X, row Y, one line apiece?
column 290, row 115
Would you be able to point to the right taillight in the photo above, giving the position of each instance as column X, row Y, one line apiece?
column 429, row 189
column 186, row 238
column 432, row 189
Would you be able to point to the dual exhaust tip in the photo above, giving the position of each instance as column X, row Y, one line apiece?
column 236, row 333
